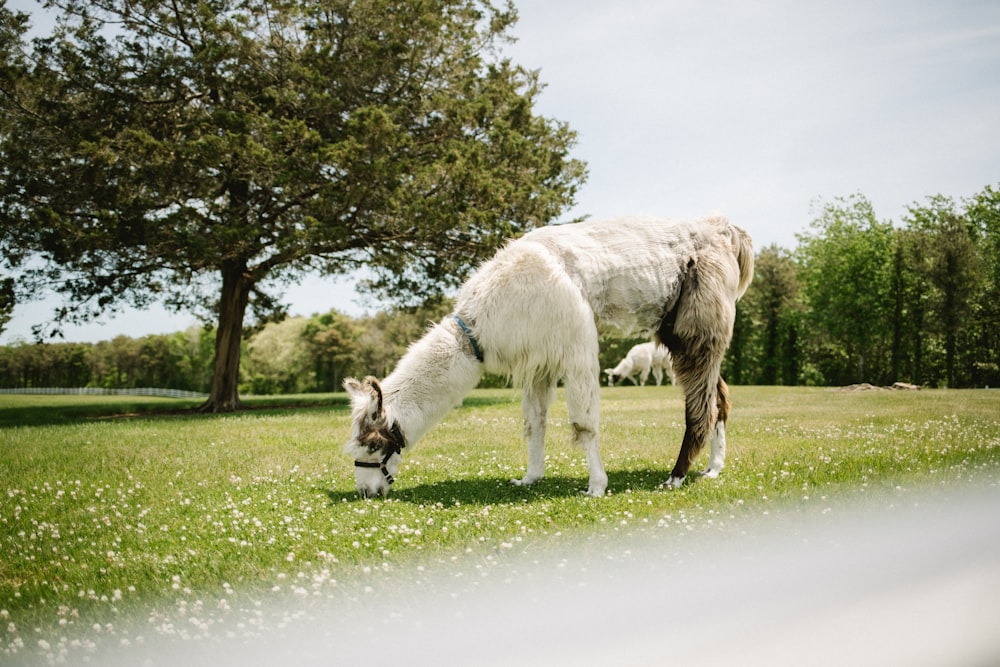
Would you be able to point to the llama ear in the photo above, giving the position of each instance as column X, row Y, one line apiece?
column 367, row 394
column 358, row 391
column 376, row 394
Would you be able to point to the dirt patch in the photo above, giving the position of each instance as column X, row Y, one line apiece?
column 895, row 386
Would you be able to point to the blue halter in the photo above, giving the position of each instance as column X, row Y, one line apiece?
column 468, row 334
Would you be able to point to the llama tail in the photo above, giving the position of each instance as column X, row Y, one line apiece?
column 743, row 250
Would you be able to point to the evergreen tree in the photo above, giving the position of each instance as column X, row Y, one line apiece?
column 204, row 152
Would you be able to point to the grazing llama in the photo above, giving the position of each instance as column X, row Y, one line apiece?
column 639, row 361
column 529, row 313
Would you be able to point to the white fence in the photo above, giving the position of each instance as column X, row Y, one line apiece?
column 97, row 391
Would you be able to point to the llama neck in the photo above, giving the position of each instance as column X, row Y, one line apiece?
column 434, row 375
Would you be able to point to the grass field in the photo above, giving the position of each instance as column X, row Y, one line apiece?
column 124, row 520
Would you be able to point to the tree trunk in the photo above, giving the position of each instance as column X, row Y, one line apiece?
column 236, row 285
column 771, row 362
column 950, row 349
column 899, row 266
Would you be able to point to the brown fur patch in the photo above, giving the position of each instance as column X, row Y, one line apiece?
column 383, row 440
column 725, row 405
column 579, row 431
column 666, row 331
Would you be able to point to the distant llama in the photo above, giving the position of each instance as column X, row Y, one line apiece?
column 530, row 313
column 639, row 361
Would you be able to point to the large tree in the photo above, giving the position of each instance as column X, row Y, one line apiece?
column 775, row 307
column 948, row 259
column 983, row 211
column 208, row 151
column 846, row 272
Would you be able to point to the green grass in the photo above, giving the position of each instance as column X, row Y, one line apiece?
column 121, row 518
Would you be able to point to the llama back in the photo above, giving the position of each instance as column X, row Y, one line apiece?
column 552, row 282
column 631, row 269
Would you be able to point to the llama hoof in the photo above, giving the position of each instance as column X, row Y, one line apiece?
column 673, row 483
column 595, row 491
column 711, row 473
column 524, row 481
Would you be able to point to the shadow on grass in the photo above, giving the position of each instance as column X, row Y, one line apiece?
column 57, row 414
column 62, row 414
column 500, row 491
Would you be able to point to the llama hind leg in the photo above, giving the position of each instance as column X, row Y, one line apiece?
column 535, row 403
column 718, row 439
column 695, row 435
column 701, row 409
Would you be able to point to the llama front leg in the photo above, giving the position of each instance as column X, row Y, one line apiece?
column 583, row 401
column 535, row 403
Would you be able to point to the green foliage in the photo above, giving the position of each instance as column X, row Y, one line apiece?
column 7, row 301
column 316, row 354
column 845, row 262
column 948, row 267
column 174, row 361
column 769, row 323
column 332, row 340
column 157, row 525
column 276, row 361
column 983, row 212
column 860, row 300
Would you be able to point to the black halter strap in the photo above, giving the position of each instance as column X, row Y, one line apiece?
column 396, row 447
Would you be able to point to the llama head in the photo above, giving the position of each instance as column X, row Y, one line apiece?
column 376, row 441
column 612, row 376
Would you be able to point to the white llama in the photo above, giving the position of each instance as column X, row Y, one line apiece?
column 529, row 313
column 639, row 361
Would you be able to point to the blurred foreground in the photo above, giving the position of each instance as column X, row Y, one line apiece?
column 908, row 579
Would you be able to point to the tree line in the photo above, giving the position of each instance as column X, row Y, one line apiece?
column 865, row 300
column 181, row 360
column 296, row 355
column 858, row 300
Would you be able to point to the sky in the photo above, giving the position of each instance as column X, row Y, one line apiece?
column 757, row 110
